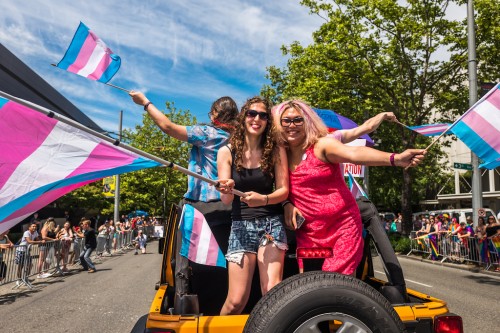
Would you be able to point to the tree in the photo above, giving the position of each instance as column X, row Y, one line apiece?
column 147, row 189
column 382, row 55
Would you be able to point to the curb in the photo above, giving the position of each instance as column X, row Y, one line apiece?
column 463, row 267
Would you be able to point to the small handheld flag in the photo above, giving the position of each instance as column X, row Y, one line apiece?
column 430, row 129
column 90, row 57
column 198, row 242
column 334, row 121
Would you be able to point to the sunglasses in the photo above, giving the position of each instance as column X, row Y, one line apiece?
column 297, row 121
column 254, row 114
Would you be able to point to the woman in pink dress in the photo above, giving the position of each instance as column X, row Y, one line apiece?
column 318, row 191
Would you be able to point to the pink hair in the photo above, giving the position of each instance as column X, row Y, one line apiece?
column 313, row 125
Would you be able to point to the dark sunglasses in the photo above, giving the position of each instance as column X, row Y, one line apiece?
column 254, row 114
column 297, row 121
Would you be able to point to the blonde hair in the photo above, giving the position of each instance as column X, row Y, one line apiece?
column 50, row 224
column 314, row 127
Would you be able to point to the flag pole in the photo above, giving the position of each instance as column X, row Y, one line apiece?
column 106, row 83
column 115, row 142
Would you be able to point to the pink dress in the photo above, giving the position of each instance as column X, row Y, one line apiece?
column 332, row 217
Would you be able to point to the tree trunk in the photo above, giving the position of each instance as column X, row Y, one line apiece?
column 406, row 193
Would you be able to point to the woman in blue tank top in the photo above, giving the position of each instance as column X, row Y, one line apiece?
column 254, row 164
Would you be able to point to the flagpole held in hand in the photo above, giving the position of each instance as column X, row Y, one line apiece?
column 106, row 83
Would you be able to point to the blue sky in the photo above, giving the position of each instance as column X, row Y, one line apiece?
column 187, row 52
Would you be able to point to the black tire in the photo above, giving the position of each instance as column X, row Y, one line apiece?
column 313, row 298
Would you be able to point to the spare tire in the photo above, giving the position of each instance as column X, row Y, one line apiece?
column 309, row 302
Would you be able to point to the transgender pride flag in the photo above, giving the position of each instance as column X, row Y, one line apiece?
column 479, row 128
column 356, row 189
column 198, row 242
column 43, row 159
column 89, row 56
column 431, row 129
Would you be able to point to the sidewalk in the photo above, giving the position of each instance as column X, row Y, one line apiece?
column 465, row 266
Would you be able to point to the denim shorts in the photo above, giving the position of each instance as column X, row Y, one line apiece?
column 248, row 235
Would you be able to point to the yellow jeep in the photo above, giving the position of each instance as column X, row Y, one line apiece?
column 189, row 301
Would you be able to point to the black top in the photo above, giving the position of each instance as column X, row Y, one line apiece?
column 491, row 231
column 90, row 240
column 257, row 181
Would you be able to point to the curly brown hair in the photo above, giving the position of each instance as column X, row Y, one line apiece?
column 268, row 142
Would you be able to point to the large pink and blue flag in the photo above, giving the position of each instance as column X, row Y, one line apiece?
column 43, row 159
column 430, row 129
column 479, row 128
column 334, row 122
column 89, row 56
column 198, row 242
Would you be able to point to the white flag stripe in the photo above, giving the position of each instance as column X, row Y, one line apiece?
column 97, row 54
column 204, row 242
column 432, row 129
column 489, row 112
column 49, row 162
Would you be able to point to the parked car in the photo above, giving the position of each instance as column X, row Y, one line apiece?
column 314, row 301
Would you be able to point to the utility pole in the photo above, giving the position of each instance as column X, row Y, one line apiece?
column 477, row 191
column 117, row 182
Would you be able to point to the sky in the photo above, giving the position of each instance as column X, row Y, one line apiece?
column 183, row 51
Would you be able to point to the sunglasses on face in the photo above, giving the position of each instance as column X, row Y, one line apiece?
column 297, row 121
column 254, row 114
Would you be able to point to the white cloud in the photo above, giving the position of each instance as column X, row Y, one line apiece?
column 197, row 50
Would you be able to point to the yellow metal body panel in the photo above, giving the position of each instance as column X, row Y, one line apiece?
column 192, row 324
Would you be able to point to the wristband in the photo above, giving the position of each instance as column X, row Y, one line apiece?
column 267, row 200
column 392, row 159
column 286, row 202
column 146, row 106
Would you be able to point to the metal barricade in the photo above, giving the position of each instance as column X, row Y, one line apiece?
column 494, row 252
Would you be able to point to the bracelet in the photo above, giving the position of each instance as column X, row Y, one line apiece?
column 286, row 202
column 392, row 159
column 267, row 200
column 146, row 106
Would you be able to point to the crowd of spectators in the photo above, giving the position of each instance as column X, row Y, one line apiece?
column 65, row 245
column 460, row 239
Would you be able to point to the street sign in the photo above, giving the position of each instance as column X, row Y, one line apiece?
column 481, row 212
column 462, row 166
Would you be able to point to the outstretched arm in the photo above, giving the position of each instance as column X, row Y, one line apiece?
column 176, row 131
column 367, row 127
column 333, row 151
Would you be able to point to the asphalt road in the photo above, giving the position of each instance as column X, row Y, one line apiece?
column 110, row 300
column 114, row 298
column 473, row 296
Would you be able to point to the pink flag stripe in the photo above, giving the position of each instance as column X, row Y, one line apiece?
column 485, row 120
column 28, row 130
column 84, row 55
column 196, row 234
column 213, row 251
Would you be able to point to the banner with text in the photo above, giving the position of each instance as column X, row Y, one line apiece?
column 355, row 170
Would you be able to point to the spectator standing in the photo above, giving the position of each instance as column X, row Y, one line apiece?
column 49, row 234
column 23, row 259
column 5, row 244
column 65, row 235
column 90, row 245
